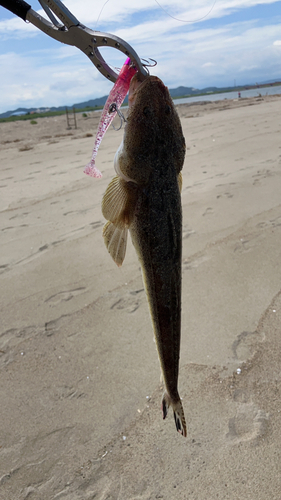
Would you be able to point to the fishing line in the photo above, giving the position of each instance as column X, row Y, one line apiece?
column 168, row 14
column 189, row 21
column 100, row 13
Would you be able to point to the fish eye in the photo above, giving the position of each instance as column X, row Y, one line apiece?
column 146, row 111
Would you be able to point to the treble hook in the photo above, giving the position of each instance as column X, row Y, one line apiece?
column 113, row 109
column 145, row 62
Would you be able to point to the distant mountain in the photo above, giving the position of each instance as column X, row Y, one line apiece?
column 92, row 103
column 265, row 82
column 21, row 111
column 100, row 101
column 179, row 91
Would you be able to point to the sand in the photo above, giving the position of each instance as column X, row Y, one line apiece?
column 80, row 383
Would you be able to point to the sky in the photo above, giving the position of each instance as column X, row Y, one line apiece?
column 196, row 43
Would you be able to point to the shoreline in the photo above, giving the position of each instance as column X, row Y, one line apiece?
column 81, row 413
column 23, row 135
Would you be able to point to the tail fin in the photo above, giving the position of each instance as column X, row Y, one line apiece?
column 178, row 413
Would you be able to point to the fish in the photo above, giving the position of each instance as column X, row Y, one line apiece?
column 145, row 199
column 112, row 105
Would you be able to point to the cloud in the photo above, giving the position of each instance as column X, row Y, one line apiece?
column 113, row 13
column 16, row 28
column 213, row 52
column 29, row 81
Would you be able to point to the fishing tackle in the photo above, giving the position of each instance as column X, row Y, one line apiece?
column 113, row 108
column 70, row 31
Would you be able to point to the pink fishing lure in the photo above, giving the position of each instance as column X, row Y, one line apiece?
column 113, row 103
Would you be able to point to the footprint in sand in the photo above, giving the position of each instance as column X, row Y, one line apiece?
column 65, row 295
column 66, row 392
column 225, row 195
column 260, row 175
column 270, row 223
column 186, row 232
column 248, row 424
column 245, row 344
column 24, row 180
column 193, row 263
column 13, row 227
column 208, row 211
column 130, row 303
column 98, row 486
column 10, row 339
column 60, row 173
column 246, row 244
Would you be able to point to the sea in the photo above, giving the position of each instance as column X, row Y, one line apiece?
column 231, row 95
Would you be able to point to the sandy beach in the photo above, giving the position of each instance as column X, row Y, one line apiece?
column 80, row 386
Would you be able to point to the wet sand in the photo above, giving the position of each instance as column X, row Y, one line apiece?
column 80, row 384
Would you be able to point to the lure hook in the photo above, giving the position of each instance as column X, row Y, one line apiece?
column 147, row 62
column 113, row 109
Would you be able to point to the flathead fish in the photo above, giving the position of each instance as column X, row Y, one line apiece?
column 145, row 199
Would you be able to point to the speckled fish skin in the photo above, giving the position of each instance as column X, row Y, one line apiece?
column 149, row 166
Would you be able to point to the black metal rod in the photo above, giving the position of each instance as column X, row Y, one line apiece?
column 17, row 7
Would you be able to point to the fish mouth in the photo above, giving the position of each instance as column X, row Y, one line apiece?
column 137, row 84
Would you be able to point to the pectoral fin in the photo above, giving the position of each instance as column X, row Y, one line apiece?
column 115, row 240
column 119, row 201
column 118, row 207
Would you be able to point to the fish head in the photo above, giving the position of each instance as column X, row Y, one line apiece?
column 153, row 133
column 149, row 96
